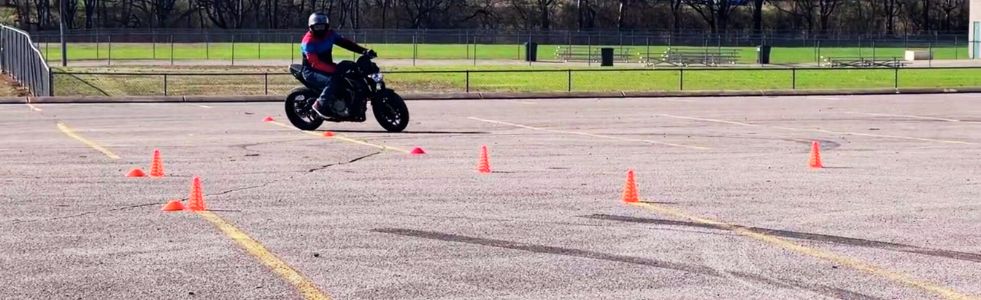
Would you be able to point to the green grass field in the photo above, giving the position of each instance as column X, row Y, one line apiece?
column 278, row 83
column 253, row 51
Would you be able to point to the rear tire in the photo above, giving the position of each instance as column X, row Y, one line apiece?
column 299, row 109
column 390, row 111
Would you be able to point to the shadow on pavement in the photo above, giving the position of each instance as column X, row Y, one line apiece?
column 410, row 132
column 974, row 257
column 449, row 237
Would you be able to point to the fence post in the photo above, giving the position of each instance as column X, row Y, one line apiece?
column 233, row 49
column 109, row 60
column 475, row 50
column 414, row 48
column 860, row 47
column 51, row 90
column 153, row 41
column 793, row 80
column 207, row 46
column 265, row 77
column 873, row 51
column 930, row 60
column 955, row 47
column 569, row 76
column 171, row 49
column 648, row 58
column 589, row 50
column 468, row 80
column 165, row 84
column 292, row 50
column 681, row 79
column 259, row 45
column 896, row 75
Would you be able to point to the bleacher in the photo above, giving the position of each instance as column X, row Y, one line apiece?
column 590, row 54
column 693, row 56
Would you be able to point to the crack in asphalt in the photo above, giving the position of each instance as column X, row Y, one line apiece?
column 344, row 163
column 85, row 213
column 353, row 160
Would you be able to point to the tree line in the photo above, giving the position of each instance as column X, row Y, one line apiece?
column 716, row 16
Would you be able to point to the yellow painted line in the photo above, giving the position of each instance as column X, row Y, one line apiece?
column 303, row 284
column 343, row 138
column 71, row 133
column 590, row 134
column 853, row 263
column 899, row 137
column 902, row 116
column 34, row 108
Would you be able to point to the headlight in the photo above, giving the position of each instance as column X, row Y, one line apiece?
column 377, row 77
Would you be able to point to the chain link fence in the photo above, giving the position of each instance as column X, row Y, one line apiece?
column 237, row 46
column 23, row 61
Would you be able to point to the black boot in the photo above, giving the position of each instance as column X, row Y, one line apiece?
column 320, row 108
column 339, row 108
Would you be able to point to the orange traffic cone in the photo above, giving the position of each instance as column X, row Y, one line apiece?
column 196, row 201
column 173, row 205
column 267, row 119
column 156, row 166
column 630, row 189
column 328, row 133
column 136, row 172
column 483, row 166
column 815, row 161
column 417, row 151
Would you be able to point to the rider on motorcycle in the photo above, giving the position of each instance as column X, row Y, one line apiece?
column 318, row 63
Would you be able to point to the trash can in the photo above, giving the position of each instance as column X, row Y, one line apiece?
column 606, row 57
column 763, row 54
column 531, row 51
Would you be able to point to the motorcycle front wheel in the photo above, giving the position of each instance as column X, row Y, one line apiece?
column 299, row 109
column 390, row 110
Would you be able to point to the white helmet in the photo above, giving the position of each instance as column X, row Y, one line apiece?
column 318, row 18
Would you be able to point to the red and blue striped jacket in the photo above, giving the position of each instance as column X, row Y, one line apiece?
column 318, row 51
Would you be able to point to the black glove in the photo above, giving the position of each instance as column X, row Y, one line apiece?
column 370, row 53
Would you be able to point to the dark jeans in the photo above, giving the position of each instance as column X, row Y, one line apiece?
column 320, row 80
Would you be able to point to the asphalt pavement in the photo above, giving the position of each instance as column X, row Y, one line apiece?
column 729, row 207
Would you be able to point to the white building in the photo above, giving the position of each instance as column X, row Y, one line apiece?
column 974, row 29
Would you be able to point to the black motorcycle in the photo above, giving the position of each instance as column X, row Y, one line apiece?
column 357, row 83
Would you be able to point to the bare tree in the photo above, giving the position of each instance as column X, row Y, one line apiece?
column 715, row 12
column 758, row 16
column 948, row 7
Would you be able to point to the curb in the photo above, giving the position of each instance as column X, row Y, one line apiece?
column 500, row 96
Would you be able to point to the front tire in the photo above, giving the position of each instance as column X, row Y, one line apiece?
column 390, row 110
column 299, row 109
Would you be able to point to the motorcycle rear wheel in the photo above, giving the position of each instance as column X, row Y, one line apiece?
column 299, row 109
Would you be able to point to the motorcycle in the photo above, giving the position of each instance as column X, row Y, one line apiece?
column 357, row 83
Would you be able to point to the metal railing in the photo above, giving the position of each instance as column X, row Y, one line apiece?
column 22, row 60
column 536, row 80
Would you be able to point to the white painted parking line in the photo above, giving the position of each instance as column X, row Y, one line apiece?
column 590, row 134
column 899, row 137
column 903, row 116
